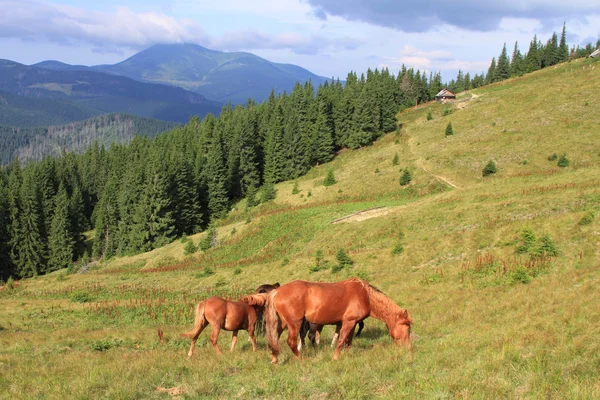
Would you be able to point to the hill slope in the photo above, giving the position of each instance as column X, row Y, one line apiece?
column 493, row 316
column 37, row 143
column 99, row 92
column 222, row 76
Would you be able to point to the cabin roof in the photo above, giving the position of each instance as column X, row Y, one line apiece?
column 445, row 93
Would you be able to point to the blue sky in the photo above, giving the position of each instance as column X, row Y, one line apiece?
column 328, row 37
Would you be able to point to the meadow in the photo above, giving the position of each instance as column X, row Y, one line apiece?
column 499, row 273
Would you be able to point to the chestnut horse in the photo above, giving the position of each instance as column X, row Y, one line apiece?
column 222, row 314
column 346, row 302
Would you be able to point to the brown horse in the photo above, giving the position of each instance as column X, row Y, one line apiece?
column 314, row 332
column 346, row 302
column 222, row 314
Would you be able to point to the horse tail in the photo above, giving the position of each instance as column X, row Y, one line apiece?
column 199, row 322
column 257, row 299
column 273, row 323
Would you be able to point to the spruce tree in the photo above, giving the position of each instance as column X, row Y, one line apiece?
column 533, row 59
column 218, row 200
column 329, row 179
column 405, row 178
column 61, row 245
column 6, row 269
column 489, row 169
column 449, row 129
column 31, row 241
column 106, row 221
column 563, row 47
column 516, row 62
column 489, row 78
column 502, row 70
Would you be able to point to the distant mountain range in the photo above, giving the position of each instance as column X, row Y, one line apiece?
column 36, row 143
column 221, row 76
column 79, row 94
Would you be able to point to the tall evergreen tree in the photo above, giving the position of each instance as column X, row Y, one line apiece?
column 31, row 241
column 491, row 74
column 216, row 178
column 533, row 60
column 502, row 70
column 517, row 62
column 106, row 216
column 61, row 245
column 563, row 46
column 274, row 148
column 6, row 268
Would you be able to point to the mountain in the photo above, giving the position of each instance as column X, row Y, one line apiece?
column 222, row 76
column 30, row 112
column 35, row 143
column 98, row 92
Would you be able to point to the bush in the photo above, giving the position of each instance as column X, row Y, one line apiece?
column 563, row 161
column 237, row 271
column 209, row 240
column 81, row 297
column 546, row 247
column 489, row 169
column 189, row 248
column 528, row 240
column 449, row 129
column 519, row 275
column 206, row 271
column 329, row 179
column 587, row 219
column 447, row 111
column 396, row 159
column 429, row 116
column 552, row 157
column 268, row 192
column 10, row 283
column 343, row 261
column 405, row 178
column 398, row 249
column 295, row 190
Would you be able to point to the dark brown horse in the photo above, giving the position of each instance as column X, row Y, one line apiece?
column 314, row 332
column 222, row 314
column 346, row 302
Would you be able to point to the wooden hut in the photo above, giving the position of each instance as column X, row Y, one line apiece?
column 445, row 95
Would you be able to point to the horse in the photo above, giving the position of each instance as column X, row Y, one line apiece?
column 346, row 302
column 266, row 288
column 222, row 314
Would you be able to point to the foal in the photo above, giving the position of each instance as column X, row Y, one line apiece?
column 222, row 314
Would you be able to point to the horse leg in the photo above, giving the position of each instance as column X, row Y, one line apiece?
column 350, row 336
column 293, row 330
column 233, row 339
column 304, row 329
column 345, row 330
column 214, row 337
column 193, row 345
column 251, row 330
column 361, row 325
column 336, row 334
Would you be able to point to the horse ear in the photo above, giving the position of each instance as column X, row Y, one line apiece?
column 276, row 285
column 405, row 315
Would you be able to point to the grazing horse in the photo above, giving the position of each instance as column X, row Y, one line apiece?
column 346, row 302
column 222, row 314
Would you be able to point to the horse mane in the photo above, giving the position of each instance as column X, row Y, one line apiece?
column 382, row 307
column 257, row 299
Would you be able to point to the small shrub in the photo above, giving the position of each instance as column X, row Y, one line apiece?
column 587, row 219
column 81, row 297
column 309, row 194
column 210, row 239
column 184, row 240
column 268, row 192
column 189, row 248
column 563, row 161
column 329, row 179
column 376, row 170
column 546, row 247
column 10, row 283
column 449, row 129
column 237, row 271
column 318, row 257
column 398, row 249
column 489, row 169
column 233, row 231
column 285, row 262
column 519, row 275
column 429, row 116
column 248, row 219
column 295, row 189
column 343, row 261
column 104, row 345
column 405, row 178
column 527, row 241
column 398, row 130
column 61, row 277
column 396, row 141
column 396, row 159
column 447, row 111
column 206, row 271
column 552, row 157
column 220, row 282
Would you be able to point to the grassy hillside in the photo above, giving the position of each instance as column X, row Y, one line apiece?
column 36, row 143
column 495, row 315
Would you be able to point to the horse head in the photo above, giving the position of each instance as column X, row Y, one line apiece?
column 400, row 331
column 266, row 288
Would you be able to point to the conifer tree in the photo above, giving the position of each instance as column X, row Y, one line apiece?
column 218, row 200
column 6, row 269
column 563, row 47
column 31, row 242
column 61, row 245
column 491, row 74
column 502, row 70
column 449, row 129
column 516, row 62
column 533, row 59
column 274, row 148
column 15, row 181
column 106, row 221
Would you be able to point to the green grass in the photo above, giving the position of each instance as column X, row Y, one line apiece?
column 495, row 316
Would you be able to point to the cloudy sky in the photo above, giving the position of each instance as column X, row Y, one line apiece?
column 328, row 37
